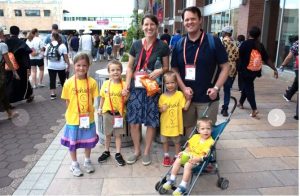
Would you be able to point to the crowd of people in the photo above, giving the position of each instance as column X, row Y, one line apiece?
column 201, row 64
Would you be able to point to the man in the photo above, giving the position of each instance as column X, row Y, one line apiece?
column 117, row 41
column 200, row 63
column 233, row 55
column 18, row 90
column 55, row 30
column 86, row 42
column 174, row 39
column 166, row 37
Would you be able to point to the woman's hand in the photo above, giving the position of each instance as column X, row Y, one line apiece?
column 125, row 92
column 155, row 73
column 99, row 111
column 16, row 75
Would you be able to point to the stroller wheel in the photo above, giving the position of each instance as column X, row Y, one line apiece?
column 161, row 190
column 157, row 185
column 223, row 183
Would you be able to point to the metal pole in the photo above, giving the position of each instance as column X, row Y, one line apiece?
column 279, row 34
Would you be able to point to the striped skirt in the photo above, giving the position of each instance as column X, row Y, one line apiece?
column 75, row 137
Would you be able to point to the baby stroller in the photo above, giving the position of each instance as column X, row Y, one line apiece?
column 209, row 160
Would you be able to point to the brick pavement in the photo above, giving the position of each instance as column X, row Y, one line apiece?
column 257, row 158
column 24, row 139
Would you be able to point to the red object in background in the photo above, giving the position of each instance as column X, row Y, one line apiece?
column 103, row 22
column 160, row 15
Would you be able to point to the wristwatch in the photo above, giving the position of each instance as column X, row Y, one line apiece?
column 217, row 88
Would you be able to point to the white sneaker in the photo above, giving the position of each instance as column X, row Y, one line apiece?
column 76, row 171
column 89, row 168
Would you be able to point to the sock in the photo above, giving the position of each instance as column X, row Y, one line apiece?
column 172, row 177
column 183, row 184
column 75, row 163
column 166, row 154
column 87, row 159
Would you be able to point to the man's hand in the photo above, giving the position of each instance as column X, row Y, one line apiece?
column 212, row 93
column 188, row 93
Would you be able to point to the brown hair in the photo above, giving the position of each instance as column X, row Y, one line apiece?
column 34, row 31
column 30, row 36
column 56, row 37
column 114, row 62
column 80, row 56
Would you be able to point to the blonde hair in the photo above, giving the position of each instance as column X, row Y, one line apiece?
column 170, row 74
column 114, row 62
column 204, row 120
column 80, row 56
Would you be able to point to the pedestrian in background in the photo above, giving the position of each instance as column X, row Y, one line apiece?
column 289, row 93
column 4, row 59
column 86, row 42
column 174, row 39
column 80, row 91
column 252, row 54
column 57, row 58
column 36, row 57
column 233, row 55
column 240, row 40
column 112, row 108
column 165, row 37
column 142, row 109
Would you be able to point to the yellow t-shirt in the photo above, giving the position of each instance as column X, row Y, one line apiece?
column 198, row 148
column 171, row 122
column 69, row 93
column 115, row 95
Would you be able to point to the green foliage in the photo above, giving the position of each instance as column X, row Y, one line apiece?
column 125, row 58
column 135, row 31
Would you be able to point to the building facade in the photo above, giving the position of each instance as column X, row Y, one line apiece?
column 278, row 19
column 28, row 14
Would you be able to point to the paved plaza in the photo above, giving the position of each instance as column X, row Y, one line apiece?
column 257, row 158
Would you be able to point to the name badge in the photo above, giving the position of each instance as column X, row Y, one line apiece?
column 137, row 79
column 118, row 122
column 84, row 121
column 190, row 72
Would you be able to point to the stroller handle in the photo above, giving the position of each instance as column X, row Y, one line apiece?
column 233, row 107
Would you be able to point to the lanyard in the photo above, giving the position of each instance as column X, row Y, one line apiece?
column 88, row 95
column 111, row 105
column 148, row 54
column 197, row 52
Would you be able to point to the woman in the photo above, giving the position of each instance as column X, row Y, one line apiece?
column 57, row 57
column 247, row 75
column 140, row 108
column 36, row 57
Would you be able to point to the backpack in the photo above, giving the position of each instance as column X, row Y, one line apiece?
column 255, row 62
column 118, row 40
column 101, row 49
column 53, row 53
column 109, row 50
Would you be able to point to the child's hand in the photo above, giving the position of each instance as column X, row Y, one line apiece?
column 164, row 108
column 179, row 154
column 193, row 161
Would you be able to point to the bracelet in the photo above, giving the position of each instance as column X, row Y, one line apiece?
column 217, row 88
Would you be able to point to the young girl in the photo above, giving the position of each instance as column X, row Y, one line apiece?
column 80, row 92
column 111, row 107
column 170, row 105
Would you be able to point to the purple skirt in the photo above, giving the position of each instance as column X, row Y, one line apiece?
column 75, row 137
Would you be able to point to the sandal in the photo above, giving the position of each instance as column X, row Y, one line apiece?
column 240, row 106
column 254, row 115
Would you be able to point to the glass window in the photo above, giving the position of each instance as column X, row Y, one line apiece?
column 1, row 12
column 289, row 29
column 18, row 12
column 47, row 12
column 32, row 13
